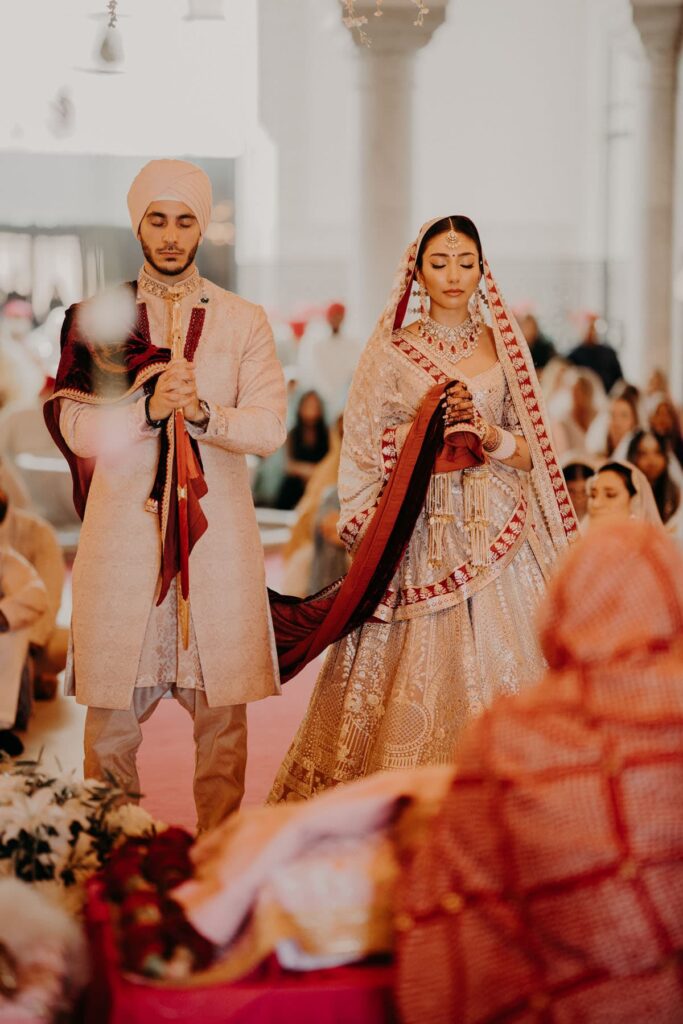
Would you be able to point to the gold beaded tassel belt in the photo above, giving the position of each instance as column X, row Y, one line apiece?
column 440, row 512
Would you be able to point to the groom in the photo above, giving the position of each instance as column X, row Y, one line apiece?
column 131, row 644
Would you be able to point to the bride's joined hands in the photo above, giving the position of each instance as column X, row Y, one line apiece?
column 457, row 404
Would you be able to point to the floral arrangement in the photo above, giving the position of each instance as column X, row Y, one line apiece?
column 56, row 831
column 154, row 937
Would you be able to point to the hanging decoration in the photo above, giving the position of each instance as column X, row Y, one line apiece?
column 357, row 22
column 111, row 48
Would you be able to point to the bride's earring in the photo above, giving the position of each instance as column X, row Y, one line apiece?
column 474, row 306
column 483, row 296
column 424, row 299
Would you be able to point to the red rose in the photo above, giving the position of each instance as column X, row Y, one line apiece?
column 181, row 933
column 140, row 943
column 122, row 874
column 175, row 838
column 142, row 907
column 167, row 866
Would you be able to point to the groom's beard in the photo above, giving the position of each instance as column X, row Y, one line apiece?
column 165, row 270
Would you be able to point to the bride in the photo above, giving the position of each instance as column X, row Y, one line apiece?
column 455, row 626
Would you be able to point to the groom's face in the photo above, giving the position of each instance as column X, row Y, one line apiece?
column 169, row 235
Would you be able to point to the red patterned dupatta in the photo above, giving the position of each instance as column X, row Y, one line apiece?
column 305, row 627
column 105, row 376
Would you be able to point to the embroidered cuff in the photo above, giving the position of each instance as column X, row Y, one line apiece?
column 218, row 425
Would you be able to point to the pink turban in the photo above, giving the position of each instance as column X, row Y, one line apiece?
column 170, row 179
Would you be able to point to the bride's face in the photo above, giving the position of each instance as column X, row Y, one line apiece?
column 608, row 497
column 450, row 275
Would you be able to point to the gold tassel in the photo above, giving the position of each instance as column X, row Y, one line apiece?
column 440, row 511
column 475, row 496
column 183, row 617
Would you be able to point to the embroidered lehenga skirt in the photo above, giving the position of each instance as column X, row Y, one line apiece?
column 398, row 694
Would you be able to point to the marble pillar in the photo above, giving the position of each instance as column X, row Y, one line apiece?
column 385, row 71
column 659, row 23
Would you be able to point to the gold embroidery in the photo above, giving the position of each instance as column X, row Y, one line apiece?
column 164, row 291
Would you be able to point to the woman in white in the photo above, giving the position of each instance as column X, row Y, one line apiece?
column 618, row 490
column 455, row 626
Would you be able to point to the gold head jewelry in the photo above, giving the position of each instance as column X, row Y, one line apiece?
column 452, row 240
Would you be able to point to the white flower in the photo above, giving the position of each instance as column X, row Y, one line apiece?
column 30, row 814
column 131, row 819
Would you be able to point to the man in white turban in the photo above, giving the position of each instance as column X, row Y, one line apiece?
column 209, row 353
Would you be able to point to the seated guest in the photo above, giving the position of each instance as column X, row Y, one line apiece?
column 583, row 395
column 664, row 419
column 541, row 347
column 307, row 443
column 35, row 540
column 648, row 451
column 28, row 450
column 596, row 354
column 301, row 550
column 618, row 491
column 327, row 361
column 577, row 470
column 611, row 432
column 13, row 485
column 330, row 558
column 20, row 374
column 550, row 886
column 23, row 602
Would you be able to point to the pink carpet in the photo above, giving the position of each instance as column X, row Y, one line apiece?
column 166, row 758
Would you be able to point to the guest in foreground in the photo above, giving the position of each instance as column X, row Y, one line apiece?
column 540, row 878
column 550, row 886
column 156, row 427
column 455, row 626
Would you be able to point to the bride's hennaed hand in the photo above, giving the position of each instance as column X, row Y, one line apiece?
column 458, row 404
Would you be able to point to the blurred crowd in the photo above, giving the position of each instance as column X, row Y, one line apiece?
column 619, row 441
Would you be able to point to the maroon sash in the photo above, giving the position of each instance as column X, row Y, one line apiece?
column 86, row 373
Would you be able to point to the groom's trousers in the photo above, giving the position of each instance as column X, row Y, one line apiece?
column 112, row 738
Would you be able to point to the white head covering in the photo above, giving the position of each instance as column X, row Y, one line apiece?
column 643, row 504
column 170, row 179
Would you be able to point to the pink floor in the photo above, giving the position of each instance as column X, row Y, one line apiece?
column 166, row 758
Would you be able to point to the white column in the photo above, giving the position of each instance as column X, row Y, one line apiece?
column 659, row 23
column 385, row 146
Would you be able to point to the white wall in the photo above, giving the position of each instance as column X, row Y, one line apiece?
column 185, row 86
column 525, row 117
column 307, row 97
column 512, row 113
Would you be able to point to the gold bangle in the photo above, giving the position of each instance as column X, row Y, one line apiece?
column 491, row 446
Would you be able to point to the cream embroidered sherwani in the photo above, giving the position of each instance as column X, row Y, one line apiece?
column 120, row 638
column 127, row 652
